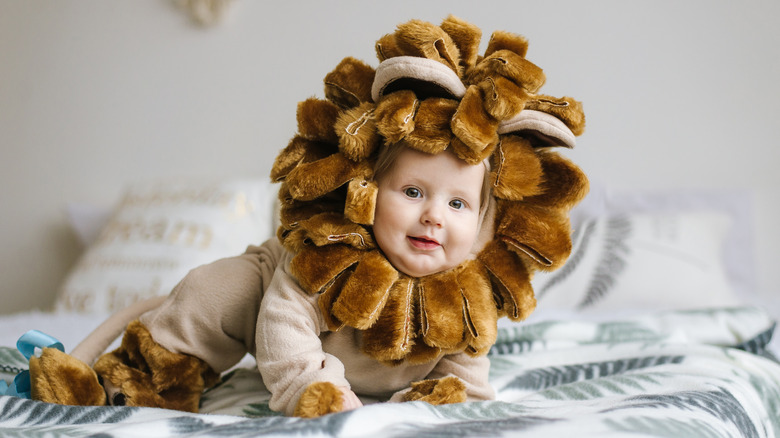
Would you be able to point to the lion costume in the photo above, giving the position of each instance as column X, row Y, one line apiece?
column 350, row 307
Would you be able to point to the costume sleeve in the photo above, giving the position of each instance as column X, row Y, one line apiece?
column 289, row 351
column 473, row 371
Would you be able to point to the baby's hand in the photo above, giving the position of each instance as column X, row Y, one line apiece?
column 351, row 401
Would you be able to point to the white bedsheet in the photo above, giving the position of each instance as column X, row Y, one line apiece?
column 687, row 373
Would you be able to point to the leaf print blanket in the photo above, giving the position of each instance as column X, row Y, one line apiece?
column 702, row 373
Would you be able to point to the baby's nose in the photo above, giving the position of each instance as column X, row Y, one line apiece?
column 433, row 215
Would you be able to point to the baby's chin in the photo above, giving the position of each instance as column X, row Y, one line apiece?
column 421, row 271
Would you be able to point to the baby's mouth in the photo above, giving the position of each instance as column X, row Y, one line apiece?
column 423, row 242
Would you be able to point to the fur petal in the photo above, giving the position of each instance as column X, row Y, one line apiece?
column 469, row 155
column 361, row 201
column 564, row 184
column 568, row 110
column 299, row 150
column 290, row 156
column 441, row 310
column 356, row 129
column 479, row 308
column 511, row 280
column 502, row 98
column 422, row 353
column 431, row 133
column 289, row 234
column 316, row 118
column 510, row 65
column 328, row 297
column 327, row 228
column 502, row 40
column 386, row 47
column 365, row 293
column 466, row 37
column 426, row 40
column 311, row 180
column 392, row 336
column 349, row 83
column 473, row 125
column 395, row 115
column 317, row 266
column 541, row 234
column 516, row 172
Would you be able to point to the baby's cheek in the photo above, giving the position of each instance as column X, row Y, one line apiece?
column 468, row 236
column 464, row 241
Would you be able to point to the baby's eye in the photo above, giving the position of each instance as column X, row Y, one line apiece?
column 412, row 192
column 457, row 204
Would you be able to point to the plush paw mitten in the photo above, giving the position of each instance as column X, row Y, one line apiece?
column 438, row 391
column 318, row 399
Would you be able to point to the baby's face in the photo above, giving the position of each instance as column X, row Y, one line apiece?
column 427, row 211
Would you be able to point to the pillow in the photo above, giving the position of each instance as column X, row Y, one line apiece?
column 161, row 230
column 738, row 248
column 646, row 261
column 86, row 221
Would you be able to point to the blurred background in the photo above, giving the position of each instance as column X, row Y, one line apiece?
column 95, row 95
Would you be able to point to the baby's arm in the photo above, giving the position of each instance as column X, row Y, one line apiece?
column 289, row 351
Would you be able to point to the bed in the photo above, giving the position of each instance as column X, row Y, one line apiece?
column 650, row 329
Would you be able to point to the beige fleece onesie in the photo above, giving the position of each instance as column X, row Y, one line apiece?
column 251, row 303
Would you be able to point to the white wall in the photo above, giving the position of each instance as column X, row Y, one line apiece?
column 95, row 94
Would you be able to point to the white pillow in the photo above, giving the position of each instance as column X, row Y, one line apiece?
column 161, row 230
column 86, row 221
column 642, row 261
column 738, row 249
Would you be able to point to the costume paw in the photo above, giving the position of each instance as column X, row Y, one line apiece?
column 56, row 377
column 318, row 399
column 438, row 391
column 143, row 373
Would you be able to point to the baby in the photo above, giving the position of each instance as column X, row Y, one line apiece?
column 427, row 219
column 398, row 249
